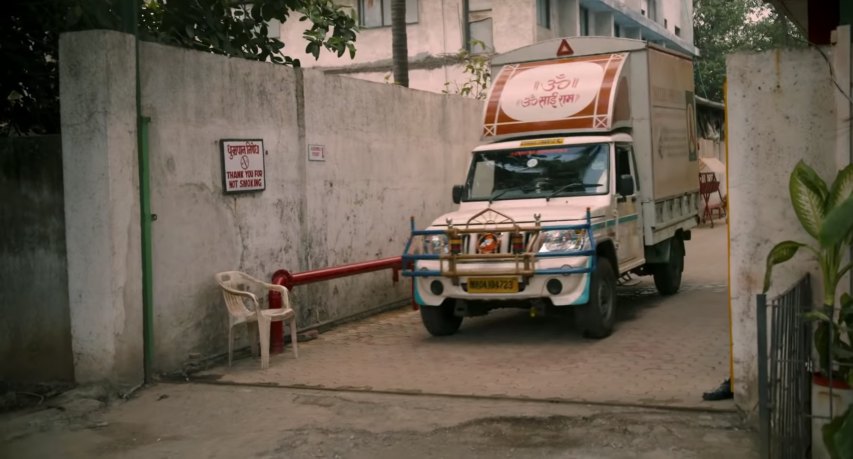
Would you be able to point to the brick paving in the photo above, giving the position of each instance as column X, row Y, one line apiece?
column 664, row 351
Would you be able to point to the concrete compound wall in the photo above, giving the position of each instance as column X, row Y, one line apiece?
column 102, row 230
column 391, row 153
column 781, row 108
column 35, row 335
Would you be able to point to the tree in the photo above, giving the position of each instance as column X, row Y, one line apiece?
column 29, row 33
column 722, row 27
column 478, row 67
column 399, row 43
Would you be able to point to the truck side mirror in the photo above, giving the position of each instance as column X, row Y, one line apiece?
column 458, row 191
column 625, row 187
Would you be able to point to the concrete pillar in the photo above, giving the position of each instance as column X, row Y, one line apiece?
column 568, row 18
column 631, row 32
column 781, row 108
column 603, row 24
column 99, row 163
column 518, row 16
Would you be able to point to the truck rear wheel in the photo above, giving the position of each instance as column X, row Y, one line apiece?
column 595, row 319
column 441, row 320
column 668, row 275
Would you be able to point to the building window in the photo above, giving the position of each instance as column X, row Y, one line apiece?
column 543, row 13
column 481, row 36
column 677, row 31
column 617, row 31
column 649, row 8
column 665, row 23
column 584, row 21
column 377, row 13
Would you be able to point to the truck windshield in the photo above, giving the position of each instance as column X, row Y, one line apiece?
column 539, row 173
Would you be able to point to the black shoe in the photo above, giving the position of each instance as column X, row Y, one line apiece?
column 724, row 392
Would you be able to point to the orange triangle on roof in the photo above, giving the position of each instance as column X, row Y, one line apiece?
column 565, row 49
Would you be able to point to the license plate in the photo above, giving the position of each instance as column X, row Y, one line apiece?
column 493, row 285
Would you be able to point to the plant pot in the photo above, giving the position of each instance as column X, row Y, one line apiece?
column 841, row 397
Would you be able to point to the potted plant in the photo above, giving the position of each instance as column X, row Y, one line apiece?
column 826, row 214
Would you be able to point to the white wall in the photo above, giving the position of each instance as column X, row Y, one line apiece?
column 200, row 231
column 422, row 79
column 781, row 110
column 392, row 153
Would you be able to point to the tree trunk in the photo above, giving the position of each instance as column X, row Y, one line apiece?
column 399, row 45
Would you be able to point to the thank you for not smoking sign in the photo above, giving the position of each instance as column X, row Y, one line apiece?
column 243, row 165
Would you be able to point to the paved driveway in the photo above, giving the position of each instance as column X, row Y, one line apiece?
column 663, row 352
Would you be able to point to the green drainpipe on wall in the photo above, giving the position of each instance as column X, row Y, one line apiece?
column 147, row 269
column 130, row 24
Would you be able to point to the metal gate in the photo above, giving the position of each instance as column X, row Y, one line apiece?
column 784, row 373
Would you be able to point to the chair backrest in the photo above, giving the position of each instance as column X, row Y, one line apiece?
column 236, row 280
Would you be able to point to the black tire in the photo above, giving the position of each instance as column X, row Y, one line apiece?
column 668, row 275
column 441, row 320
column 595, row 319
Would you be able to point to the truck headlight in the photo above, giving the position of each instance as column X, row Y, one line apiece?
column 435, row 244
column 564, row 241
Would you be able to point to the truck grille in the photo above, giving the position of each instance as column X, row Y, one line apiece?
column 471, row 242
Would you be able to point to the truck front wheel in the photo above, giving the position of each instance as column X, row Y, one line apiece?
column 595, row 319
column 668, row 275
column 441, row 320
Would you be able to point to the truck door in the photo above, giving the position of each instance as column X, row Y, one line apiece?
column 629, row 227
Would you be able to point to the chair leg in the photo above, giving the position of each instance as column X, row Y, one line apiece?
column 293, row 337
column 264, row 332
column 230, row 343
column 252, row 332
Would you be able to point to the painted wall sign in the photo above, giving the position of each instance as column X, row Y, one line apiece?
column 243, row 165
column 561, row 95
column 316, row 152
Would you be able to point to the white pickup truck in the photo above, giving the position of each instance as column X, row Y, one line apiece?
column 588, row 173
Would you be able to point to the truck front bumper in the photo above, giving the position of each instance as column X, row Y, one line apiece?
column 560, row 289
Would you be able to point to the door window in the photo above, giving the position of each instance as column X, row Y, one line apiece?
column 625, row 164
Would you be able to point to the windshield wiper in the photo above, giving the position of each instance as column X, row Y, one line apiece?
column 571, row 185
column 500, row 193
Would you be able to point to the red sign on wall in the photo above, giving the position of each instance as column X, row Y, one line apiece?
column 243, row 165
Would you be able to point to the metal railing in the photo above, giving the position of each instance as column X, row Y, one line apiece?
column 784, row 373
column 291, row 280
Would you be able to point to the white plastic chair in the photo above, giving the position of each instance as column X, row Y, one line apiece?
column 237, row 287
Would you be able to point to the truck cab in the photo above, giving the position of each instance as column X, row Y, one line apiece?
column 562, row 199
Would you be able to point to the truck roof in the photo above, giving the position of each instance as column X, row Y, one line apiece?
column 574, row 47
column 554, row 141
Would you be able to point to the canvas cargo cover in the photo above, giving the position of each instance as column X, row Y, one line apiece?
column 576, row 94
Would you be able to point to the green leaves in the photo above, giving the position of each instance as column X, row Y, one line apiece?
column 842, row 187
column 723, row 27
column 29, row 33
column 242, row 30
column 809, row 196
column 478, row 67
column 780, row 253
column 827, row 215
column 838, row 224
column 838, row 435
